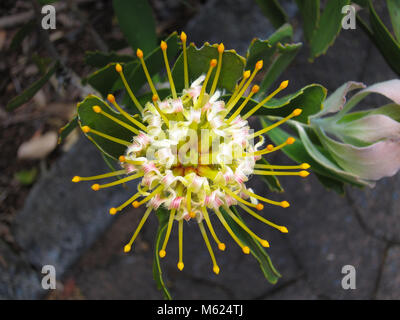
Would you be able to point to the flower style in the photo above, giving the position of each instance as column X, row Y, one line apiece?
column 194, row 153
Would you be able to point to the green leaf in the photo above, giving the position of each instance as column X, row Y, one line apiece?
column 331, row 184
column 328, row 28
column 271, row 181
column 269, row 271
column 310, row 14
column 275, row 53
column 309, row 99
column 162, row 216
column 154, row 62
column 280, row 61
column 265, row 49
column 384, row 40
column 394, row 11
column 298, row 152
column 42, row 63
column 282, row 35
column 136, row 21
column 199, row 63
column 44, row 2
column 107, row 80
column 100, row 59
column 362, row 3
column 96, row 121
column 21, row 34
column 31, row 91
column 104, row 80
column 67, row 129
column 273, row 11
column 26, row 177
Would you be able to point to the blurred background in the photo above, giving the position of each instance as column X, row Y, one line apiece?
column 45, row 219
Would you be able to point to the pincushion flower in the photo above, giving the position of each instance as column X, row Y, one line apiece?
column 193, row 152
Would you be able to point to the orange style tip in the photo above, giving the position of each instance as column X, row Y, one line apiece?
column 265, row 243
column 305, row 166
column 135, row 204
column 216, row 269
column 221, row 48
column 259, row 206
column 255, row 89
column 180, row 266
column 85, row 129
column 290, row 140
column 192, row 214
column 270, row 147
column 154, row 98
column 76, row 179
column 122, row 159
column 95, row 187
column 285, row 204
column 96, row 109
column 221, row 246
column 183, row 36
column 284, row 84
column 111, row 98
column 246, row 250
column 283, row 229
column 259, row 64
column 139, row 53
column 118, row 67
column 304, row 174
column 162, row 253
column 163, row 45
column 113, row 211
column 127, row 248
column 297, row 112
column 213, row 63
column 246, row 74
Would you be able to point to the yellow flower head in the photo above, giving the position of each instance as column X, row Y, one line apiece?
column 194, row 153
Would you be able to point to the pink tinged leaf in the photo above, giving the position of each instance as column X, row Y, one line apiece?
column 381, row 159
column 337, row 99
column 390, row 89
column 325, row 162
column 370, row 128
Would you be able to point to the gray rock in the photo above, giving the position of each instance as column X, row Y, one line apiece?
column 18, row 280
column 233, row 22
column 325, row 236
column 60, row 219
column 240, row 276
column 379, row 208
column 390, row 280
column 299, row 290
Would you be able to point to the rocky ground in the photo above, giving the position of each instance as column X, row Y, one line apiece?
column 69, row 227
